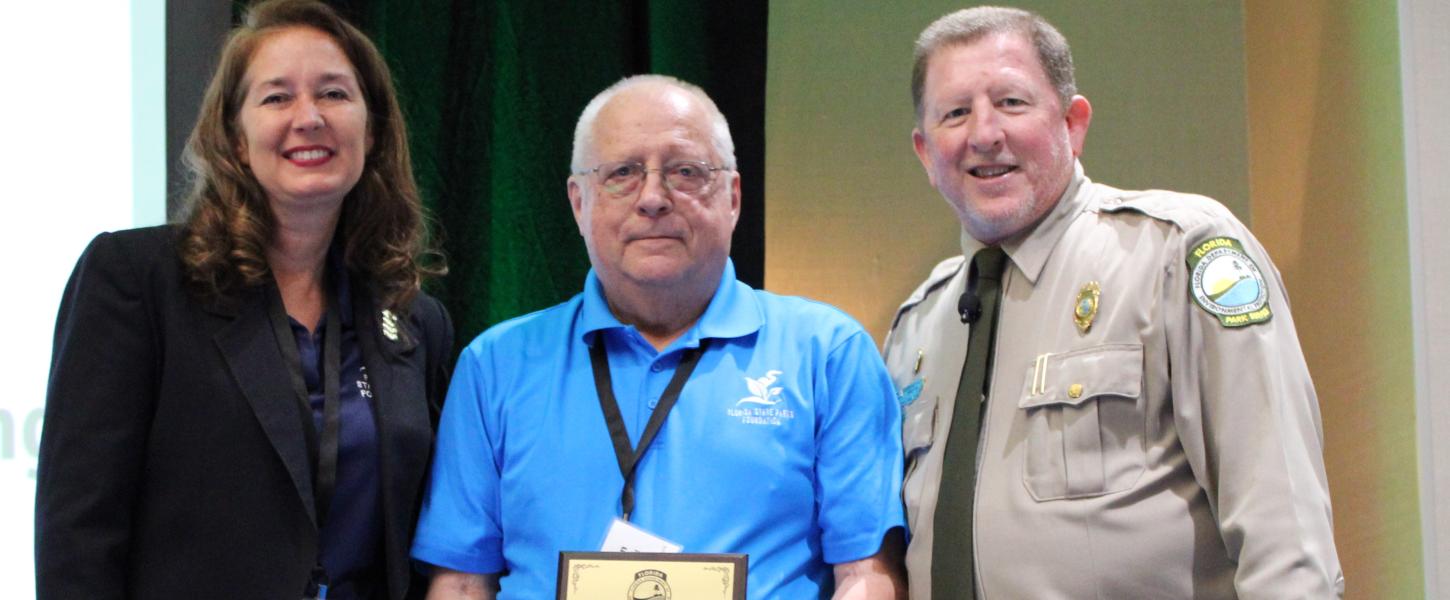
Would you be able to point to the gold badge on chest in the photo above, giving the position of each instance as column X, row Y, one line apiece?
column 1086, row 307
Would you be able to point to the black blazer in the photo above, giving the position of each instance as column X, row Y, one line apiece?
column 173, row 462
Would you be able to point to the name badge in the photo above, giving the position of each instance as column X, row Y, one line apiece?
column 624, row 536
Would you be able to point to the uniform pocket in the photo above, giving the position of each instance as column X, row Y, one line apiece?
column 1085, row 423
column 918, row 427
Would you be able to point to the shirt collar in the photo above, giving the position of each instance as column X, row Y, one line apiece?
column 342, row 288
column 733, row 312
column 1029, row 250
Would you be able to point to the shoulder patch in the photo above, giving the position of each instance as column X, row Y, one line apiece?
column 1227, row 284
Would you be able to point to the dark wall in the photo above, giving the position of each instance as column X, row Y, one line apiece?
column 195, row 30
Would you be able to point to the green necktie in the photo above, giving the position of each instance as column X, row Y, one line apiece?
column 952, row 566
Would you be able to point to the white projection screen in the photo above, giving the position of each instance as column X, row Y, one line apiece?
column 82, row 150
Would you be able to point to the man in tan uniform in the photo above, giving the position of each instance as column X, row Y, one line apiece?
column 1148, row 427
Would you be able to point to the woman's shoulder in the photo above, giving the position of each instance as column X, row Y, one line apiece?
column 432, row 317
column 137, row 246
column 425, row 309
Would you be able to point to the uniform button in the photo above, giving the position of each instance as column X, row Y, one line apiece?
column 1074, row 391
column 657, row 367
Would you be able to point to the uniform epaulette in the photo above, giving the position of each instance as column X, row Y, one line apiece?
column 1187, row 211
column 943, row 272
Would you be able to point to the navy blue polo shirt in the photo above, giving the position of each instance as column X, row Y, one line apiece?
column 352, row 536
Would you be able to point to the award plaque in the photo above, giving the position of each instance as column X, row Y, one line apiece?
column 650, row 576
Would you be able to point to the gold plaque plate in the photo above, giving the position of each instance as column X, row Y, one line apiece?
column 650, row 576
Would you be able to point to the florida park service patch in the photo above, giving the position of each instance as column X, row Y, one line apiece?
column 1226, row 283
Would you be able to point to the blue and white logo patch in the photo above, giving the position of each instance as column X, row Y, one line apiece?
column 763, row 405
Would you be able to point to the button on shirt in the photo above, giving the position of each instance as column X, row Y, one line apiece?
column 783, row 445
column 640, row 375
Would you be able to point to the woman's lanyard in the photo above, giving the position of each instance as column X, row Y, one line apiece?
column 324, row 454
column 629, row 459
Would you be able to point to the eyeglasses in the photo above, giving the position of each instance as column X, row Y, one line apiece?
column 625, row 178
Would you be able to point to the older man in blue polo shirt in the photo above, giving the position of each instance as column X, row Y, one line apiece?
column 781, row 438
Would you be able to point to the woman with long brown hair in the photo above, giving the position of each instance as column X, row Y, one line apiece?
column 242, row 405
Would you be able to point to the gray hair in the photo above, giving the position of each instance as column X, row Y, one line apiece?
column 584, row 130
column 971, row 24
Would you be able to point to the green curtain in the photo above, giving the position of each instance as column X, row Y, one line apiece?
column 491, row 92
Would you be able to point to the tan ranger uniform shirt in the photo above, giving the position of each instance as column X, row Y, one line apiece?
column 1172, row 448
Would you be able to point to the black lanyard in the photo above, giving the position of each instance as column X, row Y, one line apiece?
column 629, row 459
column 324, row 459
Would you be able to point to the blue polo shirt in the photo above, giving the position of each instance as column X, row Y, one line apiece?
column 784, row 443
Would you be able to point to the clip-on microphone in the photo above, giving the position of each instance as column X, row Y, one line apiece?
column 969, row 306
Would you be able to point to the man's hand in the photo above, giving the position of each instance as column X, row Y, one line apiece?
column 876, row 577
column 448, row 584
